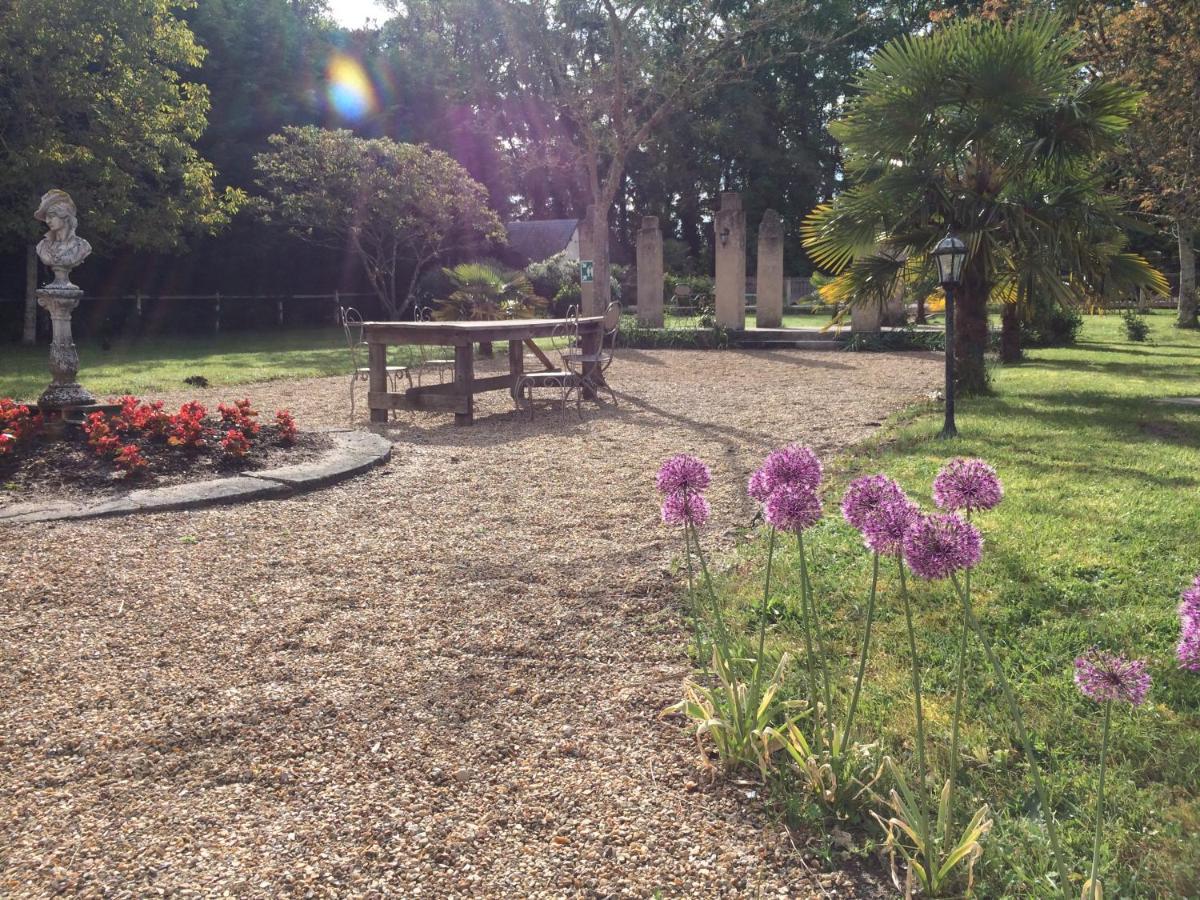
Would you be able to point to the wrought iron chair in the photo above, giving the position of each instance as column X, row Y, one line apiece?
column 432, row 358
column 352, row 325
column 563, row 341
column 591, row 368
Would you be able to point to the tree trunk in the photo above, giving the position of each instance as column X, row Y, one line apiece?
column 920, row 320
column 1010, row 334
column 29, row 330
column 1187, row 278
column 601, row 272
column 971, row 332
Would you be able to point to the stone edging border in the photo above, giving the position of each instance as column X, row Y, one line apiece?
column 353, row 452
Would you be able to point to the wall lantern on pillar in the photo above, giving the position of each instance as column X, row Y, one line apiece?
column 724, row 236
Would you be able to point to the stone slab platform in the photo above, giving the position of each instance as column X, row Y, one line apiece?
column 353, row 452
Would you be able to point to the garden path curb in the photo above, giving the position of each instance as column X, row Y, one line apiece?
column 353, row 452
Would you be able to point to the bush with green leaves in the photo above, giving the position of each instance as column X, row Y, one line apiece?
column 1137, row 329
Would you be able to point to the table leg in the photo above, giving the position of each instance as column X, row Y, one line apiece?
column 516, row 364
column 464, row 376
column 377, row 377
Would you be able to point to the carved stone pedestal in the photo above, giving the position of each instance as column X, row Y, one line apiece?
column 64, row 391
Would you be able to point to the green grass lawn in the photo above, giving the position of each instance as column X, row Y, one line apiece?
column 1098, row 533
column 156, row 365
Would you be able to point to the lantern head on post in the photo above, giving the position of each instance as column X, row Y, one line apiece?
column 950, row 254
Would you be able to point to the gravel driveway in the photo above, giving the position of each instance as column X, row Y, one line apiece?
column 440, row 679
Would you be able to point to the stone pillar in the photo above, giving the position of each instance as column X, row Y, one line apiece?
column 587, row 264
column 64, row 390
column 729, row 227
column 769, row 283
column 650, row 274
column 865, row 318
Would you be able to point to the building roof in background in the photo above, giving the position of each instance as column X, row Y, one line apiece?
column 540, row 239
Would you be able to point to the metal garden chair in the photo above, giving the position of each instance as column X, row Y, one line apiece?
column 591, row 368
column 563, row 341
column 352, row 325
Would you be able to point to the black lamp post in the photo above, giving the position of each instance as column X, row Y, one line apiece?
column 950, row 254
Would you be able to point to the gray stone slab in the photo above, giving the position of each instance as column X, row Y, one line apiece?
column 1180, row 401
column 204, row 493
column 353, row 452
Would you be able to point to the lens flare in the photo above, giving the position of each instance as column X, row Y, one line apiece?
column 350, row 91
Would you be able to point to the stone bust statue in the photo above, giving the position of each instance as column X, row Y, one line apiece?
column 61, row 249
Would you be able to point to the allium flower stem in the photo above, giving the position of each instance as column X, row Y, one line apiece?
column 1094, row 892
column 1014, row 710
column 694, row 607
column 762, row 615
column 958, row 701
column 916, row 677
column 806, row 589
column 718, row 616
column 862, row 663
column 811, row 681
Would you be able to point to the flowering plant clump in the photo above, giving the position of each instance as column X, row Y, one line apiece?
column 885, row 529
column 129, row 458
column 186, row 428
column 685, row 508
column 792, row 508
column 937, row 546
column 867, row 495
column 1188, row 650
column 100, row 435
column 286, row 426
column 967, row 484
column 793, row 464
column 241, row 416
column 137, row 416
column 18, row 423
column 683, row 472
column 1104, row 676
column 235, row 443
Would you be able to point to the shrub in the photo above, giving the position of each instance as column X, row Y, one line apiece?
column 1137, row 329
column 18, row 424
column 1053, row 327
column 551, row 275
column 286, row 426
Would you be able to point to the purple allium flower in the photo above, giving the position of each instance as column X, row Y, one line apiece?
column 968, row 484
column 685, row 507
column 1110, row 676
column 792, row 464
column 682, row 472
column 886, row 526
column 759, row 486
column 937, row 546
column 792, row 508
column 1188, row 651
column 867, row 495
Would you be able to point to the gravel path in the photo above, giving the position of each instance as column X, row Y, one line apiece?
column 439, row 679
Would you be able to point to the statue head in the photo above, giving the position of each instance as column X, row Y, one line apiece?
column 57, row 210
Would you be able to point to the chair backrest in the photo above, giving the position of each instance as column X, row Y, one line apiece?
column 565, row 338
column 608, row 343
column 352, row 325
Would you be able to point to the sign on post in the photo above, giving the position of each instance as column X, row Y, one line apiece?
column 587, row 271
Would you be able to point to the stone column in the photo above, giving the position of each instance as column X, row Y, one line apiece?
column 64, row 390
column 587, row 264
column 865, row 318
column 729, row 227
column 650, row 274
column 770, row 271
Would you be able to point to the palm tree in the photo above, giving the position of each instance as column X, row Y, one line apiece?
column 483, row 291
column 993, row 131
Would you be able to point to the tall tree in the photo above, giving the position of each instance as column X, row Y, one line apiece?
column 1154, row 46
column 614, row 71
column 993, row 131
column 92, row 100
column 395, row 207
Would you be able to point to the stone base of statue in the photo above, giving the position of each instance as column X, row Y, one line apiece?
column 64, row 391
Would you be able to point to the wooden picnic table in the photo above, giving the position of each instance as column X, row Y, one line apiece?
column 459, row 396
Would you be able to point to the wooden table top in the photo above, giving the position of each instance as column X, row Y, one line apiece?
column 468, row 331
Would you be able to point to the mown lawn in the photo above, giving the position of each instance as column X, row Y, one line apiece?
column 1098, row 533
column 153, row 365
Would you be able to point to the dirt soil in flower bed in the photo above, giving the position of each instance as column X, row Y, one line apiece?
column 440, row 679
column 45, row 471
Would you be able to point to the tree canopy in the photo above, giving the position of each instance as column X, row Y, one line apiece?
column 396, row 207
column 990, row 130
